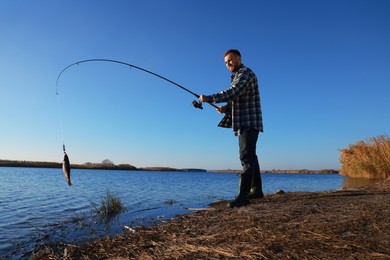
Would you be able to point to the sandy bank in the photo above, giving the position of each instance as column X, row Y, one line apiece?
column 346, row 224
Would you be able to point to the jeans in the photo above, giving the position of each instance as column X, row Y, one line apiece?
column 247, row 145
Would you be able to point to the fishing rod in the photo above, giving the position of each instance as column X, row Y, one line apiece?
column 195, row 103
column 65, row 162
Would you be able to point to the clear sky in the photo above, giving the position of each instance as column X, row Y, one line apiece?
column 323, row 68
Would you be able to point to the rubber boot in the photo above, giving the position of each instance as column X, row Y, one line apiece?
column 256, row 187
column 244, row 188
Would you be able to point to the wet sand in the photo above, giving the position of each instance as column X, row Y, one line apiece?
column 344, row 224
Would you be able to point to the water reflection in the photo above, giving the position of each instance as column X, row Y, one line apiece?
column 355, row 183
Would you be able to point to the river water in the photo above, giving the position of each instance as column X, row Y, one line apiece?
column 36, row 205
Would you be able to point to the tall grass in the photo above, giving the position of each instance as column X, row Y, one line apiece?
column 110, row 206
column 367, row 159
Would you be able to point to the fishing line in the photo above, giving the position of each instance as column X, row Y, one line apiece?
column 61, row 125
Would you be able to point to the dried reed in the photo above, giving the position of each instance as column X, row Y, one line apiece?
column 367, row 159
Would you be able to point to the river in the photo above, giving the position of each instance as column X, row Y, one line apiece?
column 36, row 204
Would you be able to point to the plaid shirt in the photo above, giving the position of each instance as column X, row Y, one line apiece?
column 244, row 109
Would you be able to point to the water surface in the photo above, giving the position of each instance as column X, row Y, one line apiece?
column 35, row 202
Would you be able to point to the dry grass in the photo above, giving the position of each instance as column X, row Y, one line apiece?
column 326, row 225
column 110, row 206
column 367, row 159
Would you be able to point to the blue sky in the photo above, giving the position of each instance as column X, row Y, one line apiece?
column 323, row 68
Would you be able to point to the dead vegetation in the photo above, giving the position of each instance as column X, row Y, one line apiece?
column 345, row 224
column 367, row 159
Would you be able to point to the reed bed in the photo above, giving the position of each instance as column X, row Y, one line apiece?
column 367, row 159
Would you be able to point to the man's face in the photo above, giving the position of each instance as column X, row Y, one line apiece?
column 232, row 62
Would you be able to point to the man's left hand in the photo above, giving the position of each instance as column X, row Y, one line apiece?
column 203, row 98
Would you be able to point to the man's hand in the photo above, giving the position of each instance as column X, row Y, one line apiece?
column 203, row 98
column 222, row 109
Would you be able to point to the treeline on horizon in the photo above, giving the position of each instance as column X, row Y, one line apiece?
column 364, row 159
column 108, row 165
column 105, row 165
column 323, row 171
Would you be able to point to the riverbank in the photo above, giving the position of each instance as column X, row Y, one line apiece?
column 342, row 224
column 129, row 167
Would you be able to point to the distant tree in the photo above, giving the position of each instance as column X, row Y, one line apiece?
column 107, row 162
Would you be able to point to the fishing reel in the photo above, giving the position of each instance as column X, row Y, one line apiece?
column 197, row 104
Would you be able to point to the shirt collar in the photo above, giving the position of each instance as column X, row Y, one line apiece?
column 235, row 72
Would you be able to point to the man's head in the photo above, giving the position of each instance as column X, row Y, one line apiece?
column 232, row 60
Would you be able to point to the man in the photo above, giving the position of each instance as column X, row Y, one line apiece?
column 243, row 114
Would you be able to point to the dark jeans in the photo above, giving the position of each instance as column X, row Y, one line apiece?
column 247, row 144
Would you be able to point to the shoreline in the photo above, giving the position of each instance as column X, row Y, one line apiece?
column 320, row 225
column 129, row 167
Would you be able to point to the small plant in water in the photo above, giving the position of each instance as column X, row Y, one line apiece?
column 110, row 206
column 170, row 202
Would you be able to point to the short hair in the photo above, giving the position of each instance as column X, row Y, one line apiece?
column 234, row 51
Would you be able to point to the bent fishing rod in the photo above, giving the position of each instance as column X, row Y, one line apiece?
column 66, row 164
column 195, row 103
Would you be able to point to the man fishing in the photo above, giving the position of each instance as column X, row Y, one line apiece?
column 243, row 114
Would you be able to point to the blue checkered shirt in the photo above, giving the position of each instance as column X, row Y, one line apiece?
column 243, row 97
